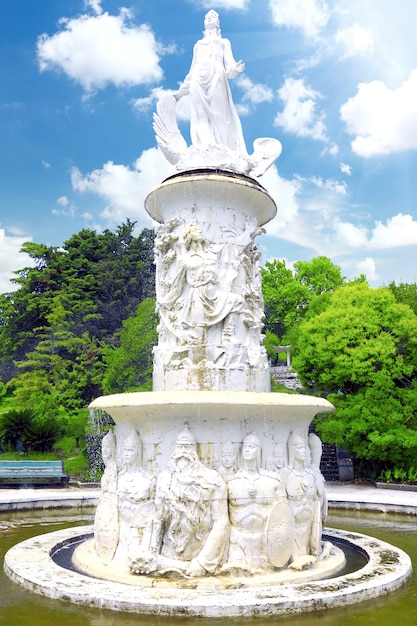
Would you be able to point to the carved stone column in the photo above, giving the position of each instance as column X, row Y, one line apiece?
column 208, row 283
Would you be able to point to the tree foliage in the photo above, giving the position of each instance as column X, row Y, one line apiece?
column 288, row 294
column 129, row 366
column 68, row 307
column 405, row 293
column 361, row 348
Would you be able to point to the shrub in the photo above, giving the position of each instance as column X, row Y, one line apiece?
column 14, row 425
column 42, row 433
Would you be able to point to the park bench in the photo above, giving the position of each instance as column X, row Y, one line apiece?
column 32, row 473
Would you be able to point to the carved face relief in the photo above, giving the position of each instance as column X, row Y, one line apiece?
column 300, row 452
column 106, row 451
column 249, row 451
column 129, row 455
column 228, row 459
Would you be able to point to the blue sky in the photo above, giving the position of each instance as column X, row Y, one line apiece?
column 335, row 82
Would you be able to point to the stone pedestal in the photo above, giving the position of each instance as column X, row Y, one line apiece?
column 208, row 283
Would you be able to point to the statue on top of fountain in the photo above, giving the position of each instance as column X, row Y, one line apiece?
column 215, row 128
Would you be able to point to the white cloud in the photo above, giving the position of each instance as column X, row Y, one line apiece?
column 67, row 208
column 368, row 267
column 11, row 259
column 355, row 41
column 346, row 169
column 254, row 93
column 384, row 120
column 346, row 236
column 124, row 189
column 95, row 5
column 285, row 194
column 310, row 16
column 98, row 50
column 45, row 164
column 328, row 184
column 399, row 230
column 143, row 105
column 300, row 115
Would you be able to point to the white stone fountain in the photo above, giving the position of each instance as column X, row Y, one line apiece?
column 212, row 499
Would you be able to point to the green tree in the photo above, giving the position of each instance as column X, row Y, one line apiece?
column 405, row 293
column 129, row 366
column 361, row 348
column 99, row 278
column 285, row 299
column 288, row 294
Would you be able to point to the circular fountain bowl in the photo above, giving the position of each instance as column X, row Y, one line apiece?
column 31, row 565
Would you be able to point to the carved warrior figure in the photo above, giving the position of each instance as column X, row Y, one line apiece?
column 252, row 494
column 191, row 524
column 194, row 305
column 136, row 488
column 303, row 497
column 215, row 128
column 106, row 520
column 227, row 461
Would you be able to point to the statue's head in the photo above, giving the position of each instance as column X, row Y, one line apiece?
column 108, row 446
column 191, row 234
column 185, row 453
column 296, row 449
column 228, row 455
column 212, row 18
column 132, row 449
column 280, row 455
column 251, row 450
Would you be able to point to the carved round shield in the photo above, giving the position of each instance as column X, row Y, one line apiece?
column 316, row 530
column 143, row 514
column 279, row 534
column 106, row 528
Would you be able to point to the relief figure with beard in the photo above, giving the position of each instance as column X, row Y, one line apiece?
column 191, row 517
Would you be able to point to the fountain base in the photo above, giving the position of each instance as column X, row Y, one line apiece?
column 31, row 565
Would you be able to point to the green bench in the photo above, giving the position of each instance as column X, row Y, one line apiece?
column 32, row 473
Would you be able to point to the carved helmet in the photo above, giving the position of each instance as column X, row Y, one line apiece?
column 186, row 437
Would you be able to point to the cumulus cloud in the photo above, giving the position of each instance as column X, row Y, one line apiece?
column 95, row 51
column 355, row 40
column 399, row 230
column 384, row 120
column 310, row 16
column 300, row 115
column 255, row 93
column 124, row 188
column 11, row 259
column 368, row 267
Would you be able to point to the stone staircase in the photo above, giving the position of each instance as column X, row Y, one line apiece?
column 284, row 375
column 335, row 464
column 328, row 465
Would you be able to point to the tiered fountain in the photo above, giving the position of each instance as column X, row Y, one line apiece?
column 212, row 500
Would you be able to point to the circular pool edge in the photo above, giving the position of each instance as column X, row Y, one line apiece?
column 29, row 564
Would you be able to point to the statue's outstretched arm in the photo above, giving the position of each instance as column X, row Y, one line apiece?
column 232, row 67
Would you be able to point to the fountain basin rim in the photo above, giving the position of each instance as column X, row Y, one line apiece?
column 210, row 398
column 29, row 563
